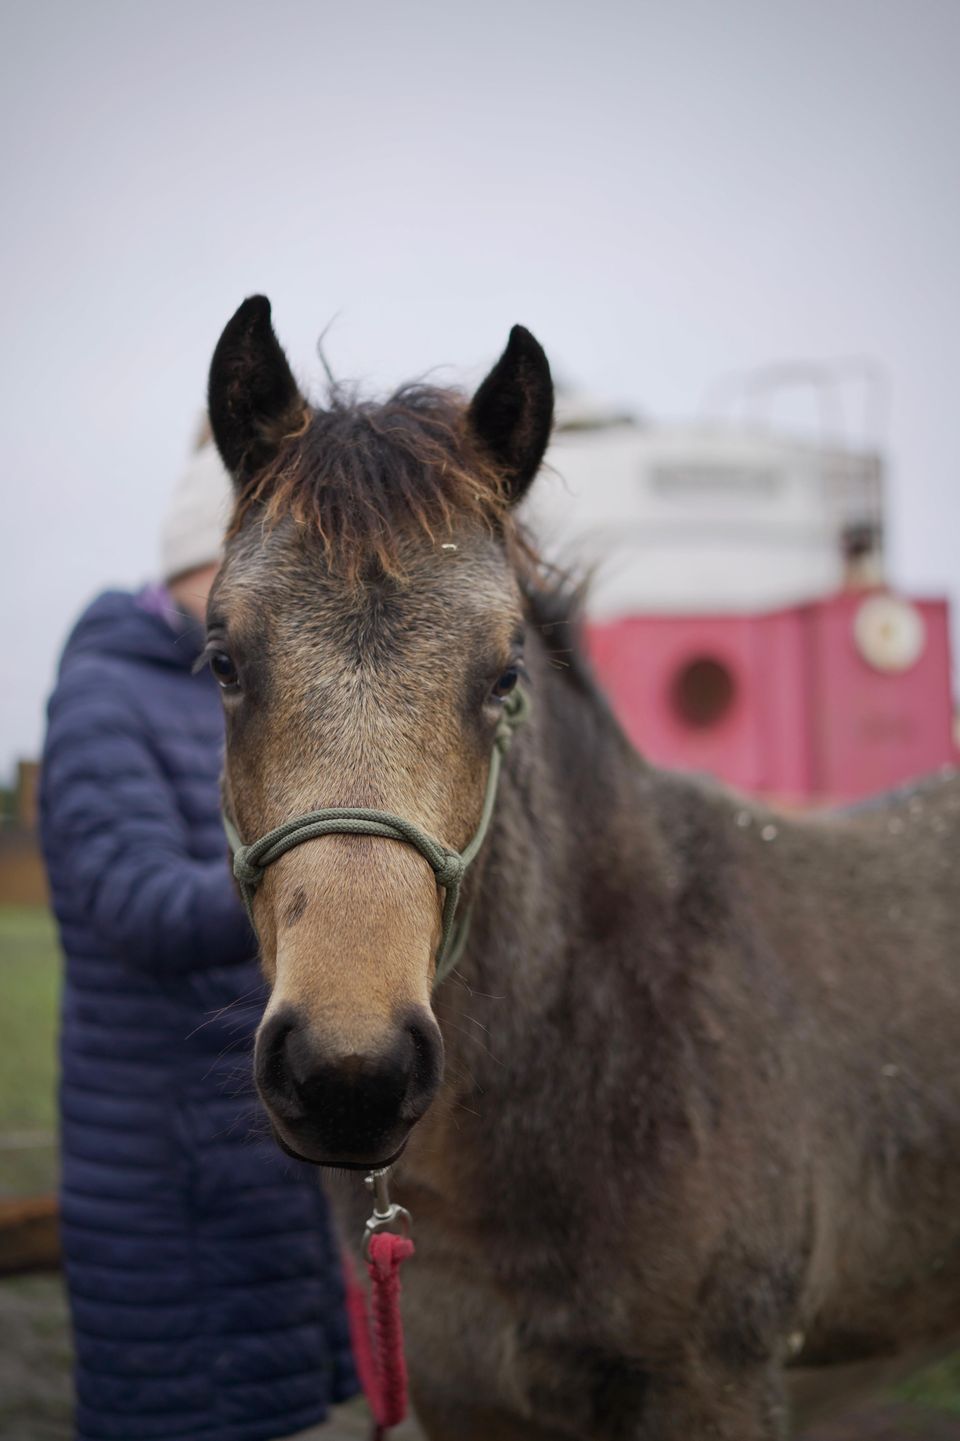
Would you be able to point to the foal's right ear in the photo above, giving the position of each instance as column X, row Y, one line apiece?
column 252, row 398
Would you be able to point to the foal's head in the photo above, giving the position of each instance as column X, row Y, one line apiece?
column 365, row 629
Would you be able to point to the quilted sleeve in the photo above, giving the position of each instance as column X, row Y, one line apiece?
column 122, row 843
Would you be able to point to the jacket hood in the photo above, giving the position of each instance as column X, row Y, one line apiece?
column 120, row 623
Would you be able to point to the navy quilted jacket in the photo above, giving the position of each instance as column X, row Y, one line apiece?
column 205, row 1293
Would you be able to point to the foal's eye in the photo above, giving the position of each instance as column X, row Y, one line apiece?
column 506, row 683
column 224, row 670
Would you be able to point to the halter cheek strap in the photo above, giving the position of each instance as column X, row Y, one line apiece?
column 448, row 866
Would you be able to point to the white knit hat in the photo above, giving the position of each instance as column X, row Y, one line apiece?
column 198, row 515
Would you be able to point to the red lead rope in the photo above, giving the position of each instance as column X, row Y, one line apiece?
column 379, row 1359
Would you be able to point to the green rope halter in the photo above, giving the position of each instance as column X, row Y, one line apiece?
column 250, row 862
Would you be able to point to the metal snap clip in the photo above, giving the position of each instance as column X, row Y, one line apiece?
column 387, row 1215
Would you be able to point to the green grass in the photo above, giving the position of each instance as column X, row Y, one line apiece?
column 29, row 991
column 937, row 1386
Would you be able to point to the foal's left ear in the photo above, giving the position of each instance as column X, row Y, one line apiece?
column 512, row 412
column 252, row 397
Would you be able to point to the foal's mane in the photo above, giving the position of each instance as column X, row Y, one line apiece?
column 359, row 475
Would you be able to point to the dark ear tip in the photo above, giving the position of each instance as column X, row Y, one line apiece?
column 255, row 310
column 523, row 342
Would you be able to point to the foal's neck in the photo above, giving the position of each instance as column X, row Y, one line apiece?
column 569, row 959
column 575, row 843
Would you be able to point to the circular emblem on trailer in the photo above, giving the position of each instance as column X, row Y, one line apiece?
column 889, row 633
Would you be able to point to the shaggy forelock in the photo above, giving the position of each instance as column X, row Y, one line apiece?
column 361, row 476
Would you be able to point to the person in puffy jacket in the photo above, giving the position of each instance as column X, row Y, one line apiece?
column 204, row 1285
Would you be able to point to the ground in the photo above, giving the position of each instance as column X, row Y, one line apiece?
column 35, row 1402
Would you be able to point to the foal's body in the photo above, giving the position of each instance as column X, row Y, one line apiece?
column 762, row 1011
column 700, row 1109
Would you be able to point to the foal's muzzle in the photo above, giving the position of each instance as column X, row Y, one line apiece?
column 346, row 1109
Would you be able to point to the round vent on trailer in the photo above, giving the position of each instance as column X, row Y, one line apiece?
column 703, row 691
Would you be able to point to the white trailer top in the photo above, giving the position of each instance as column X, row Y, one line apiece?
column 691, row 518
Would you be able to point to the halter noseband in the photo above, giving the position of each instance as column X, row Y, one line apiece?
column 250, row 862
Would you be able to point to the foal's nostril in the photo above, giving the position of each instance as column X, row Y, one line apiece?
column 272, row 1069
column 426, row 1049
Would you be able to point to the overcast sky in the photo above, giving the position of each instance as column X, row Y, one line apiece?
column 664, row 192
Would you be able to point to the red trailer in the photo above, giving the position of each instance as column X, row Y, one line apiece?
column 832, row 700
column 740, row 616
